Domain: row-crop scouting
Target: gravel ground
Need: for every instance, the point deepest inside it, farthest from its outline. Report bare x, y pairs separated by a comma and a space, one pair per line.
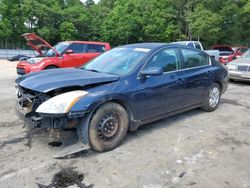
193, 149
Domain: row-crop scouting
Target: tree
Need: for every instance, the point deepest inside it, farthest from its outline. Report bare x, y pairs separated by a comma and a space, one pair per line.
204, 24
67, 31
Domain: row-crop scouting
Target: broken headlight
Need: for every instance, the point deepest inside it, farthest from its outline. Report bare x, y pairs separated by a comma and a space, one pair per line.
61, 104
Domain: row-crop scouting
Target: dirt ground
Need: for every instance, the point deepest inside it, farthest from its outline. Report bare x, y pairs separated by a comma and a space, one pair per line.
193, 149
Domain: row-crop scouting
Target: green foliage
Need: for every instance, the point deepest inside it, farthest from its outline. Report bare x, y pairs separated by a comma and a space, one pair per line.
128, 21
67, 30
204, 24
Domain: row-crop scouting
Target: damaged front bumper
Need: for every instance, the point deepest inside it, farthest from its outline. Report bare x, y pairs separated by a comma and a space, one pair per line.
51, 121
69, 130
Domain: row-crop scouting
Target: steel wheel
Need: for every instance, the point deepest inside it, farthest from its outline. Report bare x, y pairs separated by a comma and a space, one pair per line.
108, 127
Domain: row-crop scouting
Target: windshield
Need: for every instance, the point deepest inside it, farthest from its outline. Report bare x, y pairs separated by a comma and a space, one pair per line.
59, 47
119, 61
246, 54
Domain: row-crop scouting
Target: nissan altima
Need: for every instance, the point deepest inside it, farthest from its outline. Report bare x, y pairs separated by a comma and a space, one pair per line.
121, 90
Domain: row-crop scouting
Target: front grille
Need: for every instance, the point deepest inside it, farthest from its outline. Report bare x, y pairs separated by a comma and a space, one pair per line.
20, 71
244, 68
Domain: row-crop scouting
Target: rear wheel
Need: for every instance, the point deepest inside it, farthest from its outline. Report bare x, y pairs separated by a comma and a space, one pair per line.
212, 99
108, 127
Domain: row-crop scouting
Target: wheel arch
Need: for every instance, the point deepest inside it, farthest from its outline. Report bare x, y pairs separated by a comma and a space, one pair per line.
219, 83
121, 102
51, 65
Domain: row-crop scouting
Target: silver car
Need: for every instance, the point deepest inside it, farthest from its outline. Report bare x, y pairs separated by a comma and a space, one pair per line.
239, 69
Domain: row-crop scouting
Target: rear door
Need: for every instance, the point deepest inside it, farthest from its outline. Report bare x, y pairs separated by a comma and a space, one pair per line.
198, 75
92, 51
76, 58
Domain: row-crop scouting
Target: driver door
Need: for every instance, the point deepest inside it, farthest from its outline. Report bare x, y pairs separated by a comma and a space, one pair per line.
76, 58
164, 93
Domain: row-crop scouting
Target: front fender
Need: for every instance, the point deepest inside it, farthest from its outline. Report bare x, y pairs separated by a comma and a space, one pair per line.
83, 129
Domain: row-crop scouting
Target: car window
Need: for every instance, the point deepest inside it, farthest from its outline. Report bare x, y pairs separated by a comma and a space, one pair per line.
197, 45
119, 61
190, 44
194, 58
168, 59
243, 50
95, 48
77, 48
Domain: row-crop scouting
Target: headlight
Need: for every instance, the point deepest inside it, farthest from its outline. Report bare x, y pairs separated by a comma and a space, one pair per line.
34, 60
231, 67
61, 104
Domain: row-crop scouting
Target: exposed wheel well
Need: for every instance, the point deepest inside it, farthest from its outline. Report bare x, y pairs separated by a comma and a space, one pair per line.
124, 105
120, 102
51, 66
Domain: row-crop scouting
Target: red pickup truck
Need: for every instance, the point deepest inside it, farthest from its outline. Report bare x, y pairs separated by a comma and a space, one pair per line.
62, 55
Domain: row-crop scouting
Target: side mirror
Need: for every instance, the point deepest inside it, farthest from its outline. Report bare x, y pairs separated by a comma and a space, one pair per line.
152, 71
69, 52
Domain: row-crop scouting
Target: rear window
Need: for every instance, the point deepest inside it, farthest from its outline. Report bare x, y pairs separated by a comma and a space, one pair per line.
197, 45
194, 59
95, 48
190, 44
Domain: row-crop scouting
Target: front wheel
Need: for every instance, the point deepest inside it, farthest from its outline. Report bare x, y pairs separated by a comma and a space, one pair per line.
108, 127
212, 99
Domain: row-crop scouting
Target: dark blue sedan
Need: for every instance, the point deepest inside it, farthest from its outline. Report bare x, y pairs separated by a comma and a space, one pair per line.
120, 90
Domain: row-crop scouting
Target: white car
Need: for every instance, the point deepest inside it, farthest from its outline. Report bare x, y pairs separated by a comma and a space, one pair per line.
196, 44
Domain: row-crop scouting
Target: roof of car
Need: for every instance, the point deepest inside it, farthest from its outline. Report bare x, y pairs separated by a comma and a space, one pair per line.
87, 42
185, 41
146, 45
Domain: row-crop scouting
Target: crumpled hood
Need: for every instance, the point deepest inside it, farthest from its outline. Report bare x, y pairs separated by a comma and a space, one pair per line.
49, 80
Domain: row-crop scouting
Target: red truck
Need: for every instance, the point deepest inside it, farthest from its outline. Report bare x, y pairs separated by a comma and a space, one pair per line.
62, 55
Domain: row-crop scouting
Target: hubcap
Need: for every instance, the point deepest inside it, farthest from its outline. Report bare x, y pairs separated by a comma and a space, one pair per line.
108, 126
214, 97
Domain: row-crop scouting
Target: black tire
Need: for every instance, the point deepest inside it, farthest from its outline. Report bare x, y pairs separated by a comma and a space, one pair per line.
114, 118
207, 106
50, 67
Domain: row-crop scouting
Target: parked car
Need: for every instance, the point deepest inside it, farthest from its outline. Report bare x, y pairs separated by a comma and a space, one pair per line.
18, 58
122, 89
62, 55
226, 53
239, 69
196, 44
239, 51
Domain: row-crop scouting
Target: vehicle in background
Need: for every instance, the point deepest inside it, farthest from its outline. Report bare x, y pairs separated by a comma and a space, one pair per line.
62, 55
226, 53
239, 69
198, 45
214, 54
239, 51
194, 44
18, 58
120, 90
